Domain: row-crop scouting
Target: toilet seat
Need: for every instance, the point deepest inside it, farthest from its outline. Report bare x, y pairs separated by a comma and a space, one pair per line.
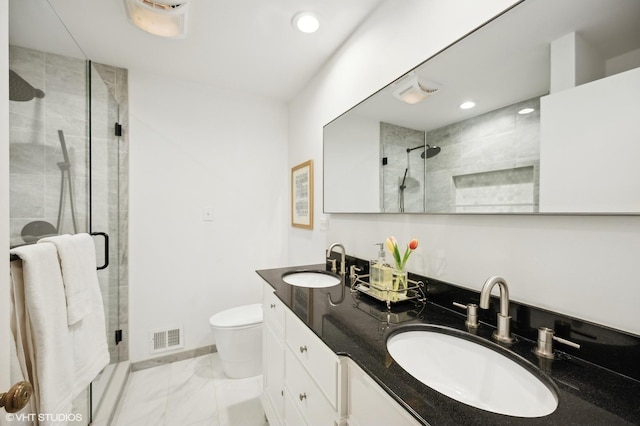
239, 317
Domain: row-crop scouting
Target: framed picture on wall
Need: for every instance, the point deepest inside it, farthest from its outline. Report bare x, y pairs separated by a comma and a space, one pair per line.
302, 195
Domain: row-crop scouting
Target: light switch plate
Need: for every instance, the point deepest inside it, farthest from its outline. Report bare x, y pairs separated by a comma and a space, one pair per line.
207, 214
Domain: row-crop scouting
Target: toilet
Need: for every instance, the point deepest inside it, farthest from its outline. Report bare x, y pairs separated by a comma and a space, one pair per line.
238, 337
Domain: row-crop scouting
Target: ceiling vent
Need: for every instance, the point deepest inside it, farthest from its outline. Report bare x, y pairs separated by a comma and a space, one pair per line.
159, 18
413, 89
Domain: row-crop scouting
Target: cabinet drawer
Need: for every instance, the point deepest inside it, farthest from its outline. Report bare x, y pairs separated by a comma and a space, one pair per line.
274, 312
306, 395
316, 357
292, 416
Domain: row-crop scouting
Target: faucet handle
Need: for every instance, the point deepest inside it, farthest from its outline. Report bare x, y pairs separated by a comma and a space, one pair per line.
353, 277
472, 314
333, 265
545, 343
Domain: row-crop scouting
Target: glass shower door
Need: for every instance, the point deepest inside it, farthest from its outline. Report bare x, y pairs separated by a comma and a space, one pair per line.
107, 178
104, 194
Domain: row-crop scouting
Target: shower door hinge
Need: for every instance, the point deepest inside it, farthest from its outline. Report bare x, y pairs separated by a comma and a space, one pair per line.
118, 336
118, 129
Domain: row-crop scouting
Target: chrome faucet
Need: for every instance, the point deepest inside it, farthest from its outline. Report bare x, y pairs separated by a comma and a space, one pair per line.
502, 334
342, 258
342, 271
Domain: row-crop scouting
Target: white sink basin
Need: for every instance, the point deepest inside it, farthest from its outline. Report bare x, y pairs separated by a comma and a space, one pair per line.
311, 279
471, 373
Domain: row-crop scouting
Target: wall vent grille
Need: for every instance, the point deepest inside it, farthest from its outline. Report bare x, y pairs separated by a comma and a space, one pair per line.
166, 339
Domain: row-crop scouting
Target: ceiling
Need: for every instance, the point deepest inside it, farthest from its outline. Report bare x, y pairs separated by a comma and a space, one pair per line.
241, 45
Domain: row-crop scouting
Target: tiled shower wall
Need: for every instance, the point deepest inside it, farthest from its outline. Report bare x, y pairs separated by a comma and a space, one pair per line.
35, 152
34, 144
488, 163
499, 140
395, 140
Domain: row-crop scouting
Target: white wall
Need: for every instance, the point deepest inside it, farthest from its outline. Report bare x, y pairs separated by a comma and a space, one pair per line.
195, 147
4, 196
580, 138
585, 266
624, 62
353, 147
573, 62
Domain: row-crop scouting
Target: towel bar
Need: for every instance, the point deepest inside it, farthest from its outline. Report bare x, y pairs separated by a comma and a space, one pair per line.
104, 235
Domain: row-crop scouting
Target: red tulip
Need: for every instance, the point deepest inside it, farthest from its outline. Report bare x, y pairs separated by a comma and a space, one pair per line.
392, 246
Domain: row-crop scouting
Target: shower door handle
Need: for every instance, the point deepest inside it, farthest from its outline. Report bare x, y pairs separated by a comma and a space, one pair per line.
106, 248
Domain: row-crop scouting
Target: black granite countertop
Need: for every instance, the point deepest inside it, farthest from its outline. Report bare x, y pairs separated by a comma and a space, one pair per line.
358, 327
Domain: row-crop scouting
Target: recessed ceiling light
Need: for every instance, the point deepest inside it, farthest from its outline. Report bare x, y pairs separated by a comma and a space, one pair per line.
305, 22
467, 105
526, 111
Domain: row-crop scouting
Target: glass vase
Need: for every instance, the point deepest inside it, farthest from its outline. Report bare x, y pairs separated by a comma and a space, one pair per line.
399, 282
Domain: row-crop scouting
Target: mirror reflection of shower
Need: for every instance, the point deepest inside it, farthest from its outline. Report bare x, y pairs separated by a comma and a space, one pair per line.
429, 152
20, 90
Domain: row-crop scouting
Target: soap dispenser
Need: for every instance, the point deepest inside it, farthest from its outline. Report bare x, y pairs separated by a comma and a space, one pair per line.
380, 276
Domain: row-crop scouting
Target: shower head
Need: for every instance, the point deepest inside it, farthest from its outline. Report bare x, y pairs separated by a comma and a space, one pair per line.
431, 151
20, 90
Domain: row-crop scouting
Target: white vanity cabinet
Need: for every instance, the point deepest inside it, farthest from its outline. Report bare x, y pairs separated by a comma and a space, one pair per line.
306, 383
370, 405
273, 398
303, 378
313, 375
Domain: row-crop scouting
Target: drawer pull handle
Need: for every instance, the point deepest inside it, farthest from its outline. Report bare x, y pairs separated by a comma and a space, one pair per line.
273, 306
303, 396
303, 349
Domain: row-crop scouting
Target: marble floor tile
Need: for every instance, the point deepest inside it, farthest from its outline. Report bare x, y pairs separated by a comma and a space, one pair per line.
239, 401
192, 392
145, 397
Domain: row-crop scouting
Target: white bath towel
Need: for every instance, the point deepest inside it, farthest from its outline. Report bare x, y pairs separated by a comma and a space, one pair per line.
77, 255
42, 336
78, 272
20, 365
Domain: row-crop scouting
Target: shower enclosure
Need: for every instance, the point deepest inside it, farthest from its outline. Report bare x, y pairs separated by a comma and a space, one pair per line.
403, 170
69, 164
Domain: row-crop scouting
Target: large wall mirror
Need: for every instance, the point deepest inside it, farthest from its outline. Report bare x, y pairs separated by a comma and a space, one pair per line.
534, 112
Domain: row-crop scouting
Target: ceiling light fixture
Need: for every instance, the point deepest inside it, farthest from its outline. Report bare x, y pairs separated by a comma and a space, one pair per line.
305, 22
467, 105
159, 17
526, 111
411, 89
